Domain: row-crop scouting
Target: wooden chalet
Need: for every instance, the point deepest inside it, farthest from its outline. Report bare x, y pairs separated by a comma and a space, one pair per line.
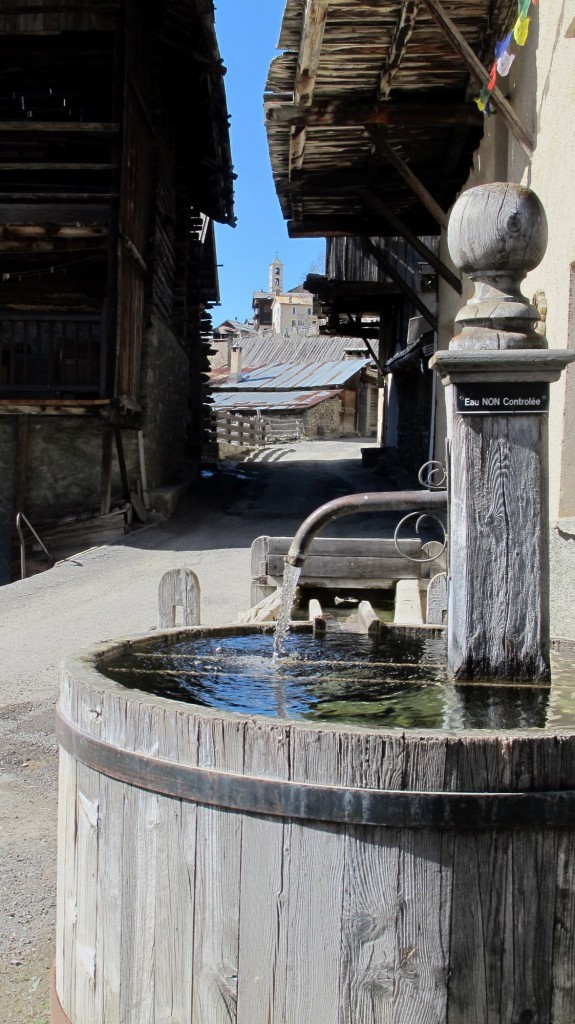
115, 164
372, 129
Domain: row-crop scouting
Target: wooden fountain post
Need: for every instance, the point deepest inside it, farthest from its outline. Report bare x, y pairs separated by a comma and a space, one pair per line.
496, 374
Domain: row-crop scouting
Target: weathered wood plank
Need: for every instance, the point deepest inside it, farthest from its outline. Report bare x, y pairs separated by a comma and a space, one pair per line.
363, 546
88, 783
179, 588
499, 538
58, 127
266, 854
218, 869
353, 567
350, 113
67, 898
403, 32
316, 866
436, 600
109, 898
175, 886
139, 851
503, 886
369, 620
315, 615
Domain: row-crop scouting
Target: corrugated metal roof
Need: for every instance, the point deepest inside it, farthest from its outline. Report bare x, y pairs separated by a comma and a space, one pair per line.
263, 348
269, 401
282, 376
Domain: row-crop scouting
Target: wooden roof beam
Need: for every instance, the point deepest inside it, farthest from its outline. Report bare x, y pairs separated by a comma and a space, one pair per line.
310, 51
58, 127
67, 7
311, 183
357, 114
399, 228
336, 225
387, 266
314, 19
31, 165
398, 46
475, 67
330, 289
415, 183
53, 213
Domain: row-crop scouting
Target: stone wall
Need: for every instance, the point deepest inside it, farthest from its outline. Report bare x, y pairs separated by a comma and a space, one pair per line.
64, 465
165, 390
324, 419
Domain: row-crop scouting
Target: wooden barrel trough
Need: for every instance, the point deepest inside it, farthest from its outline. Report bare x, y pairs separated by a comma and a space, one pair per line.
217, 868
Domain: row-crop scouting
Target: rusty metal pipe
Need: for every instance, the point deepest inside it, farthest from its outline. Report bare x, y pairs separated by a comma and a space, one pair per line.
372, 501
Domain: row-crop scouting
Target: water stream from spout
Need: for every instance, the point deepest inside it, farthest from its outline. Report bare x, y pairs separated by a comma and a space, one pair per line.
291, 577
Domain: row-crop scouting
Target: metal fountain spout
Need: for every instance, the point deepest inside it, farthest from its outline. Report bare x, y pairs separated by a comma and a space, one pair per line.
371, 501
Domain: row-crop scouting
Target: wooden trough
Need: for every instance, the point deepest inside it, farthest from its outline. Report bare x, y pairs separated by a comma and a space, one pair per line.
218, 867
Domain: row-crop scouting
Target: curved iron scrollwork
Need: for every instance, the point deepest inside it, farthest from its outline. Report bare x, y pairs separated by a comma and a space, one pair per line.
433, 475
420, 519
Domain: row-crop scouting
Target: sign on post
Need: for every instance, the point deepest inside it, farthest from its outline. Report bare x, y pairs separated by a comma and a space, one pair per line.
500, 398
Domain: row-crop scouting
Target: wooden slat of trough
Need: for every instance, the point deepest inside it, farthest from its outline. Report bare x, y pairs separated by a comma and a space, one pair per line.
263, 936
351, 568
336, 563
383, 548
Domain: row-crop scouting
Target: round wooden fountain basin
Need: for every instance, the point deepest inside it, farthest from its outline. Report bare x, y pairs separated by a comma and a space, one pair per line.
216, 867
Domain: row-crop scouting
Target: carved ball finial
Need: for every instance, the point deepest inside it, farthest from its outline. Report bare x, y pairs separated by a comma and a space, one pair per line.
497, 233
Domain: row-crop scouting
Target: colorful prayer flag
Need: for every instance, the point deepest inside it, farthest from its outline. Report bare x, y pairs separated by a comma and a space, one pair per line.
492, 77
521, 31
504, 64
502, 46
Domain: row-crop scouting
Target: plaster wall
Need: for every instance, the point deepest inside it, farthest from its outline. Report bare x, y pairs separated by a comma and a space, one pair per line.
284, 317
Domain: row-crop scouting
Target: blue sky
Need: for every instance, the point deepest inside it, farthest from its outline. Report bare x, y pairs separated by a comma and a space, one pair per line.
248, 31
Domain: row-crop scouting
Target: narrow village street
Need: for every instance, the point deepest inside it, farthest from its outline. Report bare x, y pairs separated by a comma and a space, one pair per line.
111, 591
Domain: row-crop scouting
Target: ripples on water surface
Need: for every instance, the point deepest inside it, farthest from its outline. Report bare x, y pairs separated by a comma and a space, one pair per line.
397, 682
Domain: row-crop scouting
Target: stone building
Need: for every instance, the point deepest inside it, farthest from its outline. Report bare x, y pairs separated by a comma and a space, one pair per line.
283, 311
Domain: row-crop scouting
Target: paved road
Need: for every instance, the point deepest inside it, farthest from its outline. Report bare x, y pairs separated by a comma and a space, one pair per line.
108, 592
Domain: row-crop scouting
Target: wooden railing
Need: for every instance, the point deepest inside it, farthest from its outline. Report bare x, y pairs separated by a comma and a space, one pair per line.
246, 432
251, 431
50, 353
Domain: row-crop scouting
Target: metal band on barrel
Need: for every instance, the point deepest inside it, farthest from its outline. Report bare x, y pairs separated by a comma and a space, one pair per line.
302, 800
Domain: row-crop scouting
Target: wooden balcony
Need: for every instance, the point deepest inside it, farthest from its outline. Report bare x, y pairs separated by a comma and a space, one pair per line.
51, 355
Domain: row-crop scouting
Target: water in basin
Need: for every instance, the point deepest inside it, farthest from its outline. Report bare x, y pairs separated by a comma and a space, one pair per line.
398, 681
